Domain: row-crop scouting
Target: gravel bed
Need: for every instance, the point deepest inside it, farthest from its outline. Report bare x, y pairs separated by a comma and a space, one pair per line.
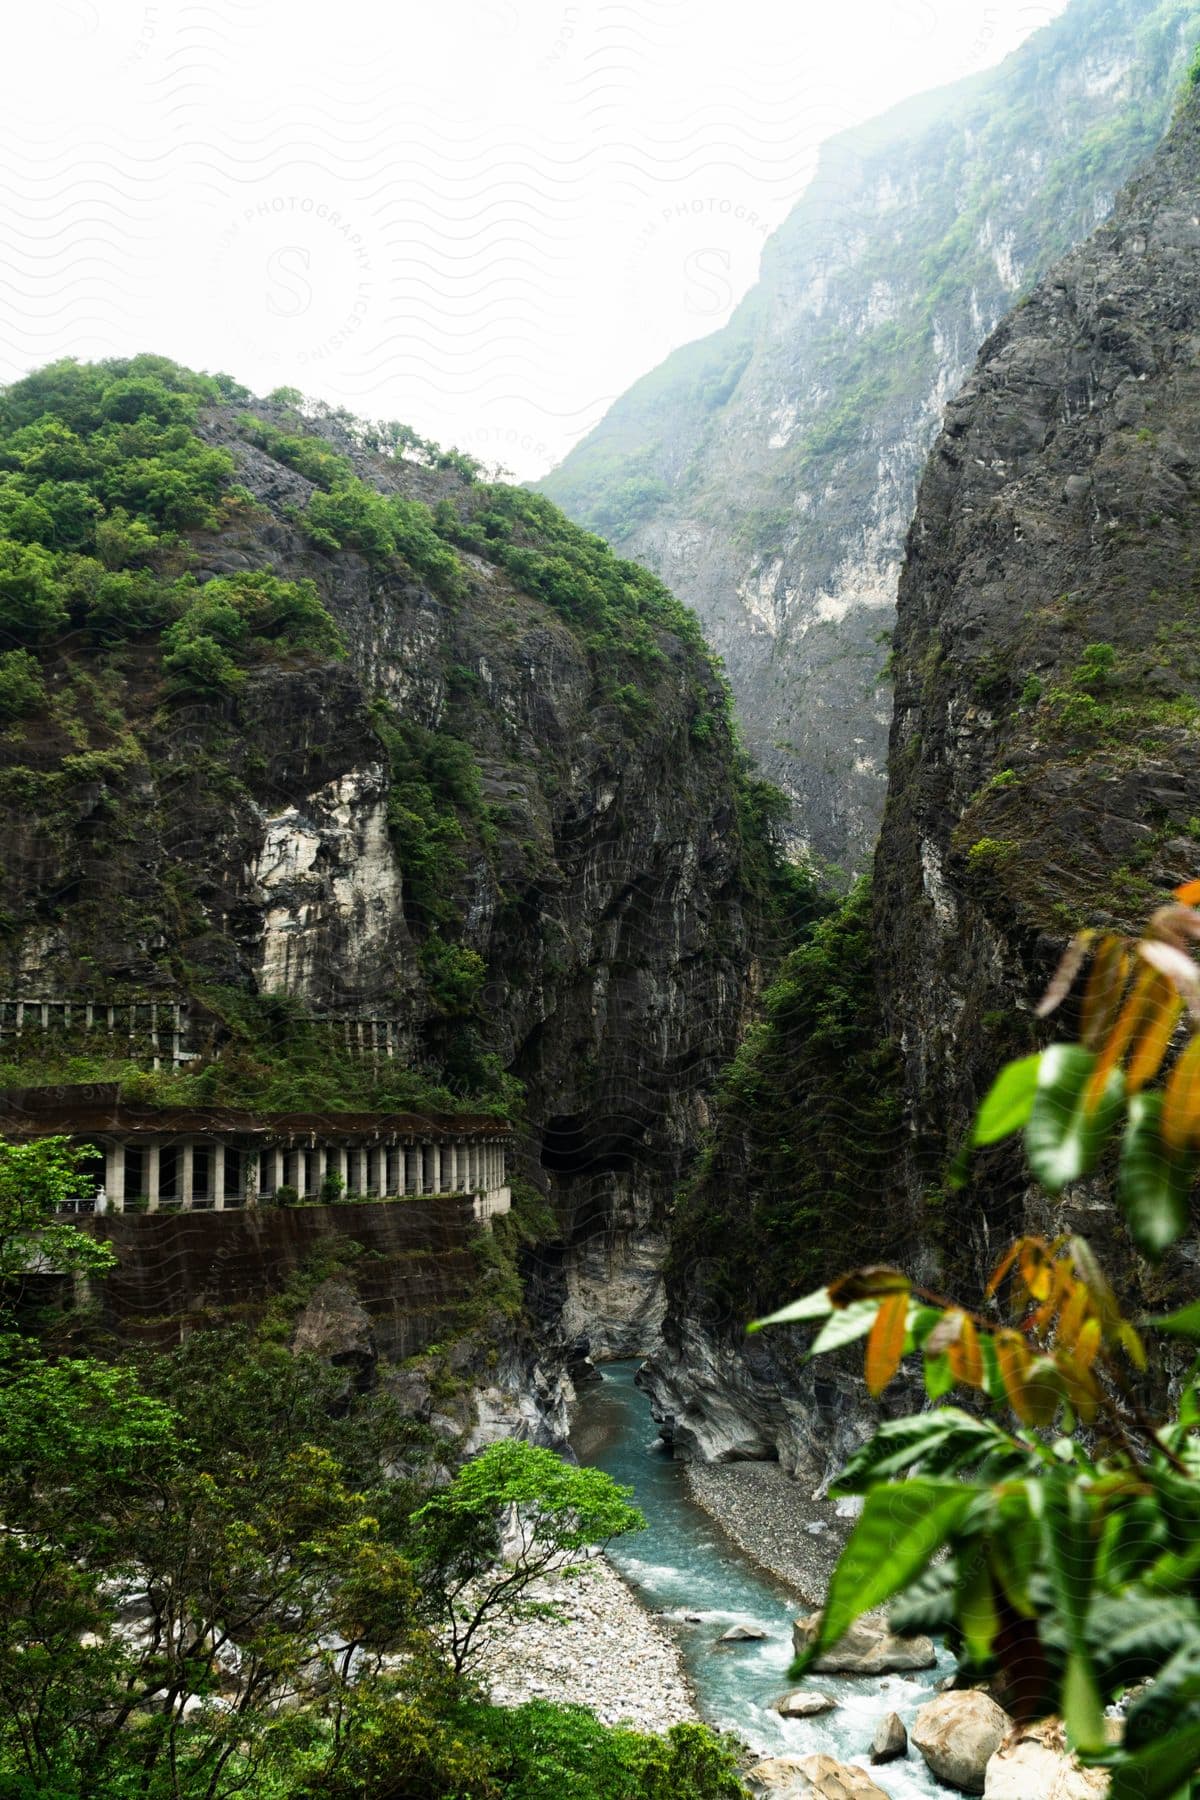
606, 1652
773, 1521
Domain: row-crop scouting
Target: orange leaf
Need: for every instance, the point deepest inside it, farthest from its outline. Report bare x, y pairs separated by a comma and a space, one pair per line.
1180, 1123
1087, 1344
1003, 1266
1073, 1314
1128, 1021
1013, 1359
1102, 995
1037, 1271
1151, 1047
1189, 893
885, 1346
965, 1357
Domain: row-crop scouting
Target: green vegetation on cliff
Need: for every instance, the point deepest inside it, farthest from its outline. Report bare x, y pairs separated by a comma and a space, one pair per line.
233, 628
802, 1157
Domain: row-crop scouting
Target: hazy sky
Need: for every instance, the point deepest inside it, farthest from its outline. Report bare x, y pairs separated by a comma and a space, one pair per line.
485, 217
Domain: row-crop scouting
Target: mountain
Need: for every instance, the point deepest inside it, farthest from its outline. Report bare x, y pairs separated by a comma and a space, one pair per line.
312, 732
768, 472
1044, 775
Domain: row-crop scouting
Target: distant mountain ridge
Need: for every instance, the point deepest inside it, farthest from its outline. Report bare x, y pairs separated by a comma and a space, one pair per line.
768, 472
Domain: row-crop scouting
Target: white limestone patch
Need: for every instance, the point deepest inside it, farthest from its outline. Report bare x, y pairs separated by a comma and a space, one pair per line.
326, 864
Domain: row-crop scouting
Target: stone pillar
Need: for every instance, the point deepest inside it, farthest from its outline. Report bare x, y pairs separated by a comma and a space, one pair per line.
153, 1162
343, 1167
216, 1174
436, 1159
302, 1173
278, 1169
183, 1181
395, 1170
114, 1176
322, 1166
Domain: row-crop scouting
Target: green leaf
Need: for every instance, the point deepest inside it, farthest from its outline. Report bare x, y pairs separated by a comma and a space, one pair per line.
1063, 1140
939, 1376
1071, 1560
1082, 1712
901, 1527
1008, 1102
853, 1321
977, 1605
1175, 1689
816, 1305
1184, 1323
1154, 1181
1160, 1771
940, 1442
927, 1604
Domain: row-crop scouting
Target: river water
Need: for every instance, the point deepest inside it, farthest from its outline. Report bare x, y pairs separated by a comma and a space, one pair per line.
683, 1567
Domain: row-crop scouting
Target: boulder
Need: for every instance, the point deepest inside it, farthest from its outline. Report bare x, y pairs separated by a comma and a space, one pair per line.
804, 1705
742, 1634
957, 1733
813, 1778
890, 1740
868, 1648
335, 1326
1035, 1759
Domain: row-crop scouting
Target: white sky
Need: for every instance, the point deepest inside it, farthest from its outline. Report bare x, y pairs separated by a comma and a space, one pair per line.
485, 218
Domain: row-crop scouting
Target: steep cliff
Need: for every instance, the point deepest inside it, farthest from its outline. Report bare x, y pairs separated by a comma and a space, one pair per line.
302, 733
1044, 767
768, 472
1044, 774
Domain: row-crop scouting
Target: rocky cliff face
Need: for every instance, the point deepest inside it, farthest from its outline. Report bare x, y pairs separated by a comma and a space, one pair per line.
516, 838
1044, 768
1044, 775
768, 472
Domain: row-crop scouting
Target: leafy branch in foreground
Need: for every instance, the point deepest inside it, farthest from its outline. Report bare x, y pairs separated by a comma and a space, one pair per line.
1063, 1563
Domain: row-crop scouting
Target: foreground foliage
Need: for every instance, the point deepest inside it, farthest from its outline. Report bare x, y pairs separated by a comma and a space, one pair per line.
224, 1571
1069, 1523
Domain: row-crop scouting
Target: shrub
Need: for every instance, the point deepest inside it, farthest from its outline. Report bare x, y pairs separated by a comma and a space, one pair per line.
22, 689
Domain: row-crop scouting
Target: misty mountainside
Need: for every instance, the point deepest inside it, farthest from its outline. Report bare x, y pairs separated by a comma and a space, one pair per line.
768, 472
1044, 777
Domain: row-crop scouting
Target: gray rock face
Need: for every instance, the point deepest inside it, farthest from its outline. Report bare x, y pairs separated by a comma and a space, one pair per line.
891, 1739
868, 1648
1045, 770
768, 472
957, 1734
335, 1325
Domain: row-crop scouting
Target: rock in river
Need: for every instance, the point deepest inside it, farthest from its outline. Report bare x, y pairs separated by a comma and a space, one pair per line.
890, 1740
742, 1634
867, 1649
812, 1778
957, 1733
1035, 1759
804, 1705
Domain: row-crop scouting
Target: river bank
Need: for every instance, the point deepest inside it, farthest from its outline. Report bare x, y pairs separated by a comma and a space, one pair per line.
606, 1650
773, 1521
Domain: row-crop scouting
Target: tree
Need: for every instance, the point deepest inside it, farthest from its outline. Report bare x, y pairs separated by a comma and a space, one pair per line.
195, 1598
510, 1517
36, 1180
1071, 1531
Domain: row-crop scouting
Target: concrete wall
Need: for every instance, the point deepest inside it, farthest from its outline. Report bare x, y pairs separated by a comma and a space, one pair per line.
181, 1270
